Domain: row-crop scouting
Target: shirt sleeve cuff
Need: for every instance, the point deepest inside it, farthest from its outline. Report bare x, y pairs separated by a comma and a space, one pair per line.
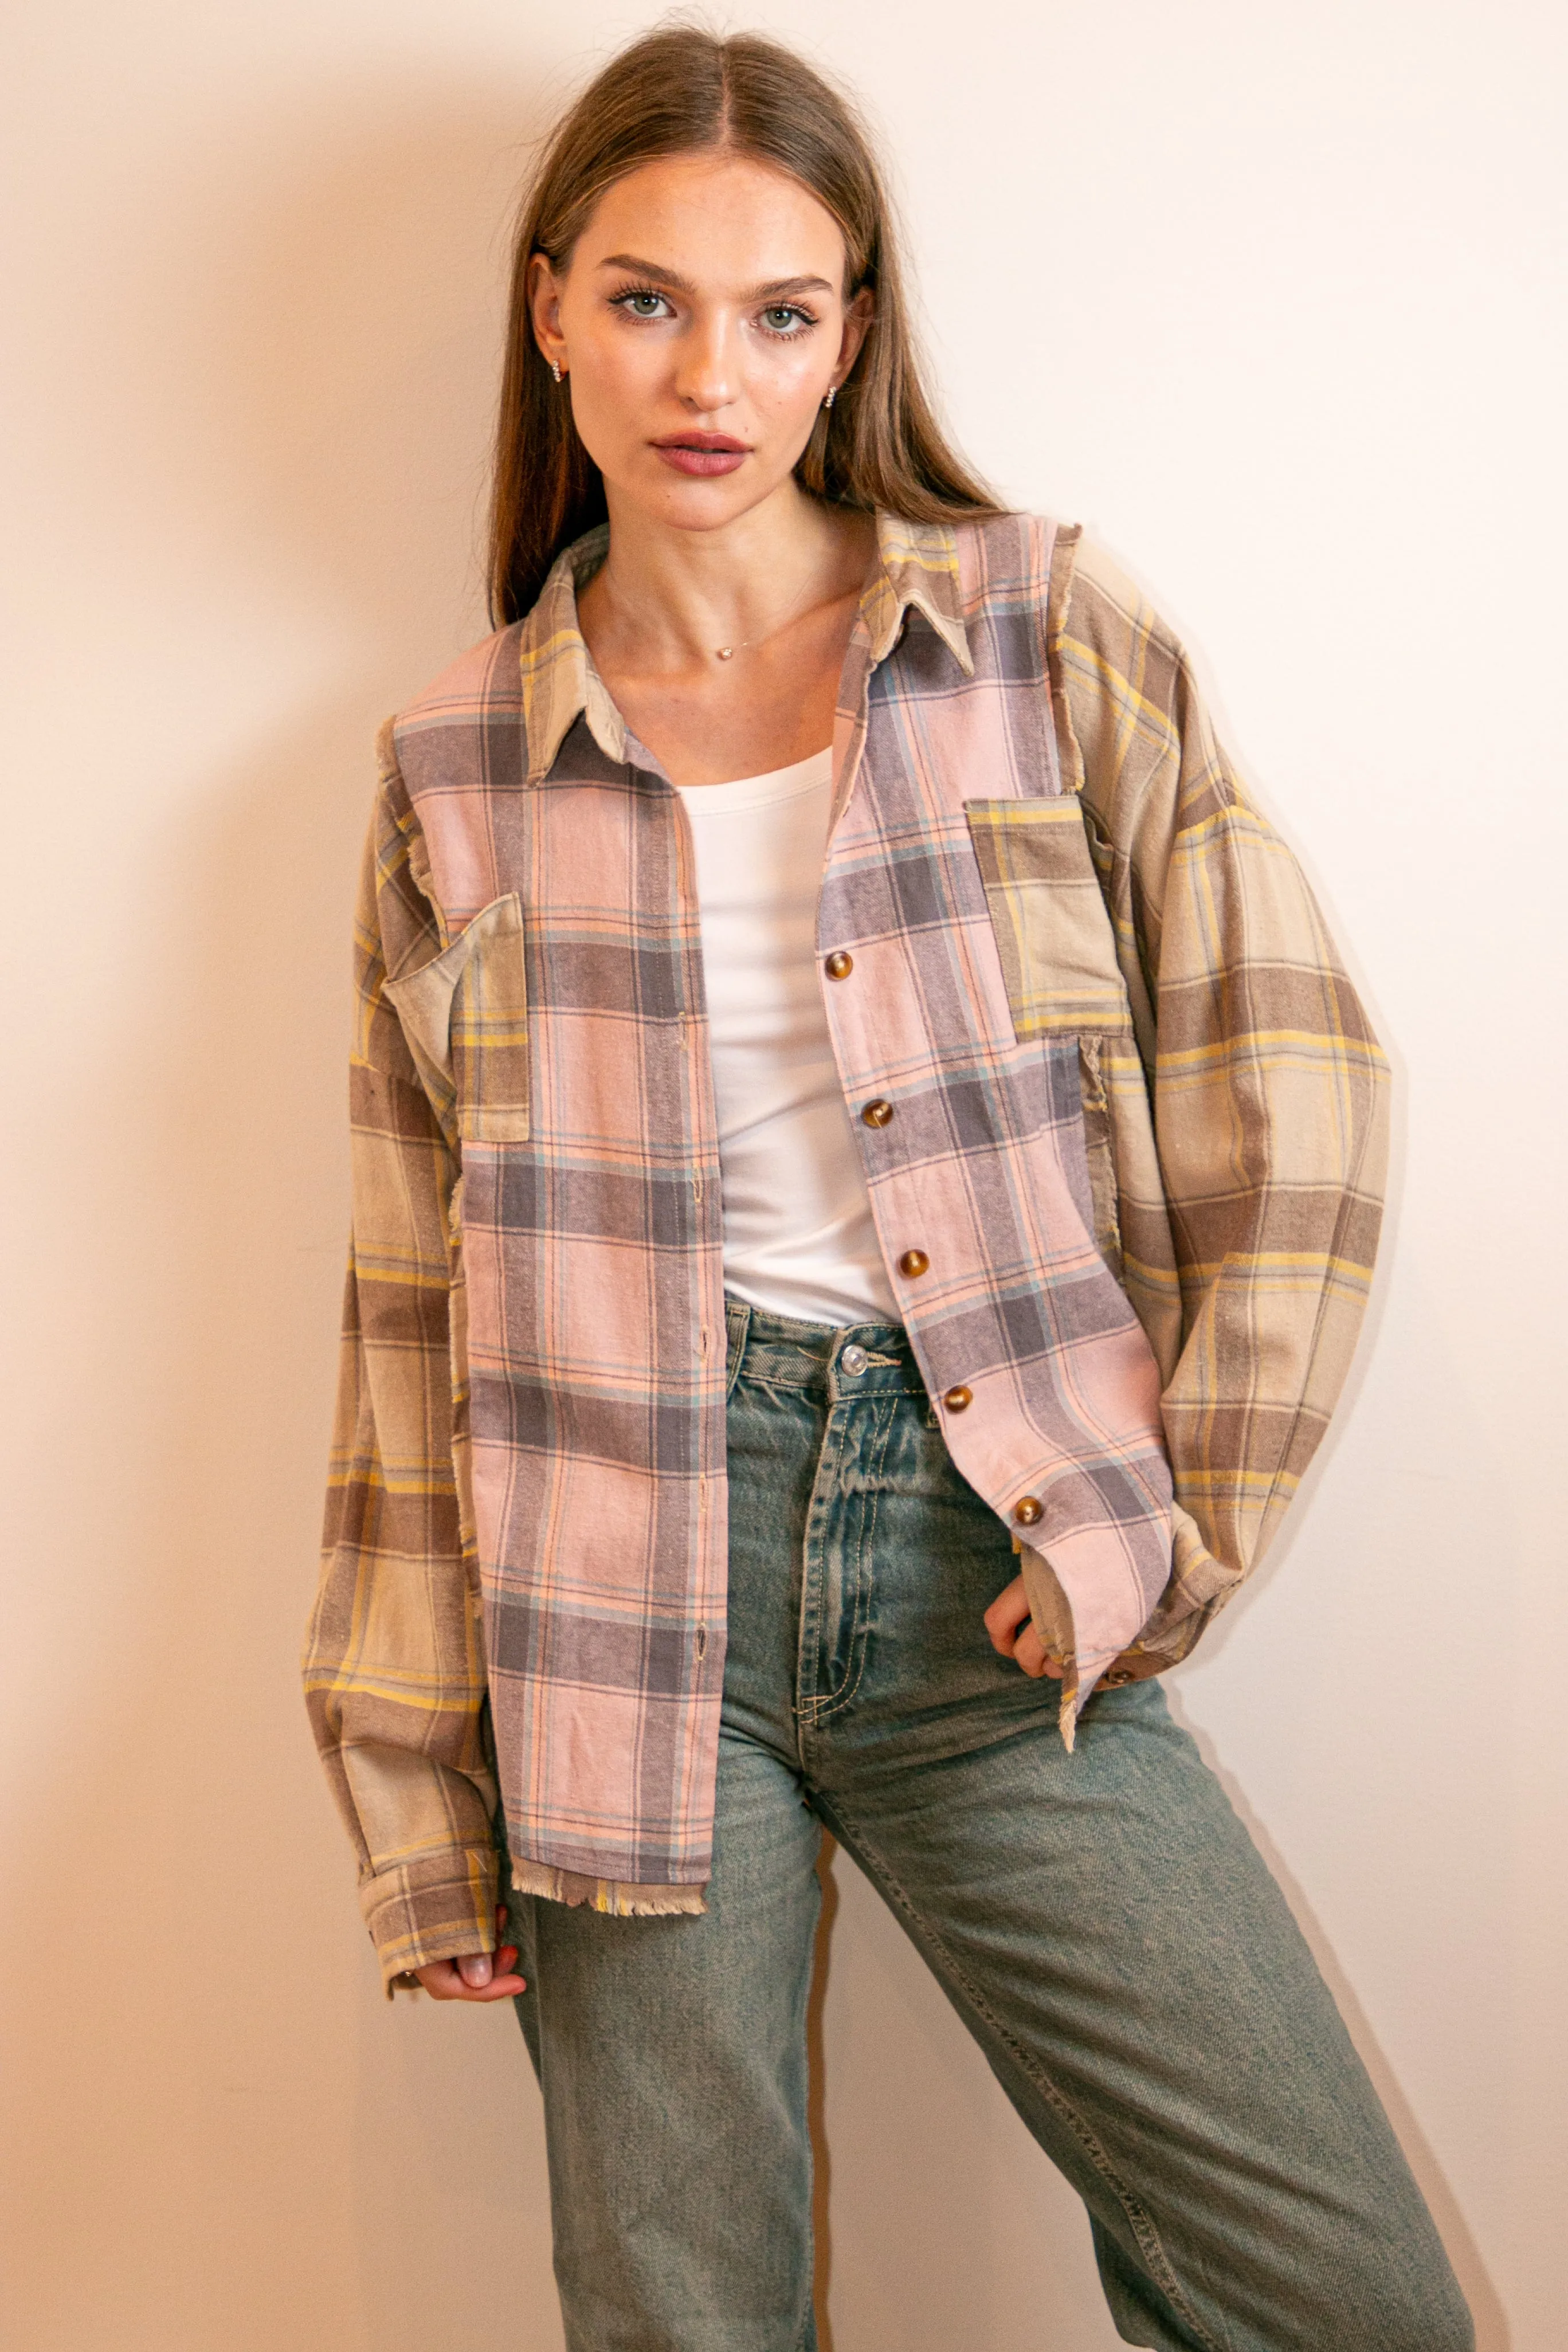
433, 1908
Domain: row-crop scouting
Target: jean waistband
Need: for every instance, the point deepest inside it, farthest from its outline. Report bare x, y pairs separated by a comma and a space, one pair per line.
846, 1359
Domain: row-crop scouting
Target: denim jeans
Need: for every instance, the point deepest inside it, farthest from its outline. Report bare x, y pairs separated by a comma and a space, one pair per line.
1102, 1922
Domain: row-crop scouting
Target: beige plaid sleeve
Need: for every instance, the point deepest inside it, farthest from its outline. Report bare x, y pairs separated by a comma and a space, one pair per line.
394, 1664
1250, 1203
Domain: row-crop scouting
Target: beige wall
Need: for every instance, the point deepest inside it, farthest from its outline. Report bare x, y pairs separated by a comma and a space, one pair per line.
1270, 297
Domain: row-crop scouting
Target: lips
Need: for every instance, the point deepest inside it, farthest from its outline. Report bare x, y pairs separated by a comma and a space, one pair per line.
701, 453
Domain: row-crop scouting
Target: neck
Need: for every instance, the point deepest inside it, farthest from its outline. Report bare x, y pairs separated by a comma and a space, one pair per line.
666, 600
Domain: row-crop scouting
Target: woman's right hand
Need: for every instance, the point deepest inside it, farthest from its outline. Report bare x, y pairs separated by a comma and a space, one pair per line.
475, 1976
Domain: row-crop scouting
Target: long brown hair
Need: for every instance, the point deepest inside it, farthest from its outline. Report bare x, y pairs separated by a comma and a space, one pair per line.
680, 90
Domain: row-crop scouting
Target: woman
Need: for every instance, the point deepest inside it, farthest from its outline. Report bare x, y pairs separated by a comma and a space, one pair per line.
786, 1383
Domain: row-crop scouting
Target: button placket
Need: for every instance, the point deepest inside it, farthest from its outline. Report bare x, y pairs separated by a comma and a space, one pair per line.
876, 1113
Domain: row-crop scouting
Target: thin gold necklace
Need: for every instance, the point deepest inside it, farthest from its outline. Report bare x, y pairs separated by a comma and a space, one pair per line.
728, 653
742, 645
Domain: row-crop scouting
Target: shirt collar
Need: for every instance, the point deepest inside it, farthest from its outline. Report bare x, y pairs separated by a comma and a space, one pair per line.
917, 564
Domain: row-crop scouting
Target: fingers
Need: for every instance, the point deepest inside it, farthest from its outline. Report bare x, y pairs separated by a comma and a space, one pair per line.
1030, 1653
1007, 1614
1013, 1635
474, 1975
505, 1984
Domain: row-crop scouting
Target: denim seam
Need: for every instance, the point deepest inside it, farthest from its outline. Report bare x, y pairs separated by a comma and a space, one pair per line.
737, 1354
824, 1702
780, 1387
1142, 2225
835, 1701
811, 1609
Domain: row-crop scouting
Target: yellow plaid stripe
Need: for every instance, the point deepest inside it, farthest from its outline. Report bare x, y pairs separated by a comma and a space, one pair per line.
1235, 1117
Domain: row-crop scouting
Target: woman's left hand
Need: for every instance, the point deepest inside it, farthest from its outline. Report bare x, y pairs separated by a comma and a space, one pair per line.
1013, 1635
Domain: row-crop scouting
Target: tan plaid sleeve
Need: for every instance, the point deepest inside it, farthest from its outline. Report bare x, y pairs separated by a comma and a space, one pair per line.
393, 1667
1250, 1218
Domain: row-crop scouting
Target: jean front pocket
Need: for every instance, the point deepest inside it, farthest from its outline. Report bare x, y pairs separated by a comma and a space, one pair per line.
465, 1015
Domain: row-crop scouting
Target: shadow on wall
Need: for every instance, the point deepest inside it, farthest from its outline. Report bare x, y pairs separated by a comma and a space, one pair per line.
354, 362
296, 424
309, 419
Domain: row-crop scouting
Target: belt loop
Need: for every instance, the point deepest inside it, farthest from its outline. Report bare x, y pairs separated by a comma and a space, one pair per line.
737, 1325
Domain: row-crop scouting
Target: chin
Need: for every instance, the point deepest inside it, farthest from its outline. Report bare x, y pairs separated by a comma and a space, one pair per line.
693, 505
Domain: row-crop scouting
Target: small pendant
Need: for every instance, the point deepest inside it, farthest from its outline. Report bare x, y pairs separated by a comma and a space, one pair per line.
724, 652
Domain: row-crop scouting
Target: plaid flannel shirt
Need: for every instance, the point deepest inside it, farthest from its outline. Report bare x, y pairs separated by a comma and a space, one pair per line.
1123, 1122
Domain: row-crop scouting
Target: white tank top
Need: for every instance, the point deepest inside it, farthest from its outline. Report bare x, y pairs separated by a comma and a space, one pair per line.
799, 1235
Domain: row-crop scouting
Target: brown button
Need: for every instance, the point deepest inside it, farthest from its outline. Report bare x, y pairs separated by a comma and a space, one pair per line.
913, 1262
878, 1113
1030, 1510
959, 1400
839, 965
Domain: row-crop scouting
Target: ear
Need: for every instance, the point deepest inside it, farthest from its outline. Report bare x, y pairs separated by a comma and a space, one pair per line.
544, 309
857, 317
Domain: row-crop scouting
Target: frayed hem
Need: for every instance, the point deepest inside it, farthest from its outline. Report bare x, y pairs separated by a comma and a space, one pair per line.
623, 1898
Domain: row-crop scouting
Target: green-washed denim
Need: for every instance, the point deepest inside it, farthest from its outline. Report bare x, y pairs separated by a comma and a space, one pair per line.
1102, 1922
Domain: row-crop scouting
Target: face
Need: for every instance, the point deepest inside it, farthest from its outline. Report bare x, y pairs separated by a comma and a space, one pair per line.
698, 325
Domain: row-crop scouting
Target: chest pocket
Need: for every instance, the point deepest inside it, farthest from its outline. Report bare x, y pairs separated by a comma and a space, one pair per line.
465, 1015
1053, 932
1059, 961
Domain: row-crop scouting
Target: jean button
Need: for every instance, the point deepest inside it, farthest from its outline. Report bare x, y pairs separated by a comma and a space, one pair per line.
852, 1360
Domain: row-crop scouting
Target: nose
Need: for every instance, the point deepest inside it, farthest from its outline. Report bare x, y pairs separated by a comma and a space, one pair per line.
705, 377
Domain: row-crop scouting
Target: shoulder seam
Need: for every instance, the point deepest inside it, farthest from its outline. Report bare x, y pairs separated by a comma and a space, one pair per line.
1058, 600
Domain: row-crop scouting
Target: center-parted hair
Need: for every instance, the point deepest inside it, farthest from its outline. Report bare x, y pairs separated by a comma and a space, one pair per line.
680, 90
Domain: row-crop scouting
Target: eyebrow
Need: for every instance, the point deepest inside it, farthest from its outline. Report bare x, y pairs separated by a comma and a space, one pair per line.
773, 287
